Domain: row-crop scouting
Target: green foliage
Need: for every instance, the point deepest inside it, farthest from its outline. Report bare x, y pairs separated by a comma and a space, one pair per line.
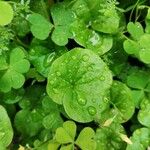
6, 131
74, 74
77, 80
6, 13
65, 136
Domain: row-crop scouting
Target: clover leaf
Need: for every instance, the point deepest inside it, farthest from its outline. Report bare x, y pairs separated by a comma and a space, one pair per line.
144, 114
12, 76
109, 137
135, 29
90, 39
105, 19
61, 31
40, 27
6, 13
6, 131
121, 103
78, 80
140, 139
139, 46
65, 137
138, 81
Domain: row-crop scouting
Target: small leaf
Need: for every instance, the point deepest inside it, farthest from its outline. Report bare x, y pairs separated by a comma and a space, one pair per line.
86, 140
66, 134
6, 13
135, 29
40, 27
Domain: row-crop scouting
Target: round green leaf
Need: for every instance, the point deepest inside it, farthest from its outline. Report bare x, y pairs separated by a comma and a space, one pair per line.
121, 101
144, 113
6, 132
78, 80
140, 139
6, 13
108, 137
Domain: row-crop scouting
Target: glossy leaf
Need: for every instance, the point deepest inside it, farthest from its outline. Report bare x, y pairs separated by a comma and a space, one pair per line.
72, 77
6, 131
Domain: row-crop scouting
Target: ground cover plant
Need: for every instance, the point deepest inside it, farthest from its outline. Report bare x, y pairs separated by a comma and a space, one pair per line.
74, 75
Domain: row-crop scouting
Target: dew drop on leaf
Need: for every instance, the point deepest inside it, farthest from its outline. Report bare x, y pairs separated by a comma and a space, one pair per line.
58, 74
74, 57
102, 78
82, 101
55, 90
92, 110
85, 58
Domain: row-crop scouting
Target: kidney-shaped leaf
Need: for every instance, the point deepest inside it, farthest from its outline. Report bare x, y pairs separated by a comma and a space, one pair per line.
79, 80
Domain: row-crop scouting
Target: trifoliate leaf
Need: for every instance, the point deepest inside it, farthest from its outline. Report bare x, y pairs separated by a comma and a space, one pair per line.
40, 27
6, 131
78, 80
12, 77
86, 140
6, 13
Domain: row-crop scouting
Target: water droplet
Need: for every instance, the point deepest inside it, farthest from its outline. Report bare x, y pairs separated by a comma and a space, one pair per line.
90, 68
58, 73
48, 60
93, 100
106, 100
74, 57
92, 110
102, 78
52, 82
82, 101
85, 58
69, 70
55, 91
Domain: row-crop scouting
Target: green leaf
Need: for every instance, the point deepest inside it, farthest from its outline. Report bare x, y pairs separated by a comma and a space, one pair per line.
144, 113
40, 27
106, 18
90, 39
61, 31
135, 29
138, 80
109, 137
12, 77
6, 131
140, 139
131, 47
66, 134
86, 140
121, 101
78, 80
6, 13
